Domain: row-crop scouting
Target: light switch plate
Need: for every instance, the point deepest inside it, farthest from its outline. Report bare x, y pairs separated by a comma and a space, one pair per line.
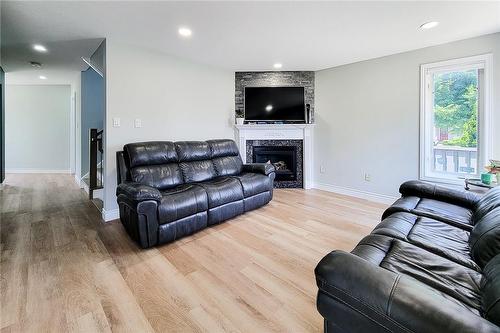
116, 122
138, 123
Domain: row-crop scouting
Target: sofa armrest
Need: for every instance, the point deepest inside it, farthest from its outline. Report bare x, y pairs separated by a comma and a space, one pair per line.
431, 191
263, 168
376, 299
138, 192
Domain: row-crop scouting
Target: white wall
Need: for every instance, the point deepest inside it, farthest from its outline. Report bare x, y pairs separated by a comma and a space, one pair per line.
37, 133
75, 126
175, 99
367, 117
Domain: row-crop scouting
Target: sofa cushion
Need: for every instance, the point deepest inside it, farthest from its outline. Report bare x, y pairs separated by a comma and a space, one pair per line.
490, 286
441, 209
225, 157
154, 164
182, 201
488, 202
188, 151
162, 177
222, 148
150, 153
222, 190
457, 281
432, 235
485, 237
438, 210
254, 183
228, 165
195, 161
197, 171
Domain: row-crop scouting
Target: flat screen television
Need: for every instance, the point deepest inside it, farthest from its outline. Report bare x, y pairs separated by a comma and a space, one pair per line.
270, 104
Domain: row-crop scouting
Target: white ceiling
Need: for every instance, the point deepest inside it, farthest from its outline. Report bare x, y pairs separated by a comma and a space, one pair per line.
239, 35
31, 77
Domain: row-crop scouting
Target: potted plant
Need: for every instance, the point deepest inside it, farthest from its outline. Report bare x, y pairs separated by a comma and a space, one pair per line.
494, 168
240, 120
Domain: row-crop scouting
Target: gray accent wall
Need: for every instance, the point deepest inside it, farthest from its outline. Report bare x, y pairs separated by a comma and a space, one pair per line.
272, 79
92, 111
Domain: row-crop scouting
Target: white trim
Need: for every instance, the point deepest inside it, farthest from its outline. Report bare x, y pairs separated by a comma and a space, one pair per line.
98, 194
371, 196
304, 132
36, 171
84, 186
110, 215
78, 181
72, 129
484, 61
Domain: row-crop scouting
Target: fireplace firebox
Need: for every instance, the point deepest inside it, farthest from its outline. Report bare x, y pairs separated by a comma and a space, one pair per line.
284, 159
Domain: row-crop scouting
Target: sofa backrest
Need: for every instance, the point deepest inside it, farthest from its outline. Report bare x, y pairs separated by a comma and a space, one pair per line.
195, 161
484, 239
154, 163
488, 202
225, 157
490, 288
165, 164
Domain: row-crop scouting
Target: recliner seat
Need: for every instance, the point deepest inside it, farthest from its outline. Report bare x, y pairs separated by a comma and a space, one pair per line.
167, 190
419, 270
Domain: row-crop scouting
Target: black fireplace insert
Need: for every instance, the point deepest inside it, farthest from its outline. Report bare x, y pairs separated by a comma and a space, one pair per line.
284, 159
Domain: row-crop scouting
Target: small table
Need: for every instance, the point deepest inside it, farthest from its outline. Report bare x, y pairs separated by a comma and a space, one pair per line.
477, 182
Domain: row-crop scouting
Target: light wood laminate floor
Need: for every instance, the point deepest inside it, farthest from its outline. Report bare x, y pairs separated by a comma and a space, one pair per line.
63, 270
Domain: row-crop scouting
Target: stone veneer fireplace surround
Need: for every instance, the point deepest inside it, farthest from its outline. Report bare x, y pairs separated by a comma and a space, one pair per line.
273, 79
280, 135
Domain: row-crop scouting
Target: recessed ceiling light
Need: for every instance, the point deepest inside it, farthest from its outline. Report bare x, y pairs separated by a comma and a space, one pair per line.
42, 77
429, 25
185, 32
277, 65
39, 48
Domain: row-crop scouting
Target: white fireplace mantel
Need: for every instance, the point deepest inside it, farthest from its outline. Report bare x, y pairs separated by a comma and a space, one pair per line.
302, 132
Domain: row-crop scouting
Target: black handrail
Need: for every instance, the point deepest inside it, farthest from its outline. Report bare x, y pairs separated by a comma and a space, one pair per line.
96, 154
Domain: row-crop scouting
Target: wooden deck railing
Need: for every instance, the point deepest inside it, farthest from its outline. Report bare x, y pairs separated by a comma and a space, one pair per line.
454, 159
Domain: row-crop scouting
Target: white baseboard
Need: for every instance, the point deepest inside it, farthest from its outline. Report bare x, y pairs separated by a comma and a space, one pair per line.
84, 186
78, 181
110, 215
377, 197
36, 171
98, 194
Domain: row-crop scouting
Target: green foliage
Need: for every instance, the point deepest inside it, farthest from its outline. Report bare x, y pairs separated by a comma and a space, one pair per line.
455, 106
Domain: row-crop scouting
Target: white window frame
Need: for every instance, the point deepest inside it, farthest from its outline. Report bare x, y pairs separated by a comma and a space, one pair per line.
426, 113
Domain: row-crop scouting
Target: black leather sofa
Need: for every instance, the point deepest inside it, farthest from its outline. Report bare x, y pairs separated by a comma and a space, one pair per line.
167, 190
431, 265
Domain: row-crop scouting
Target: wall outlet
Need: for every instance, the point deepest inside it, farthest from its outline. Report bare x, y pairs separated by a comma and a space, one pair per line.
368, 177
116, 122
138, 123
322, 169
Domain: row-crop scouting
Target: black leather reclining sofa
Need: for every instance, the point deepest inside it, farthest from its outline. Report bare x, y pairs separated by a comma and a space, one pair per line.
431, 265
167, 190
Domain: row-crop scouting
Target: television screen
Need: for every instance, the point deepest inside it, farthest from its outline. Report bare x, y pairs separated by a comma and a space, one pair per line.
274, 104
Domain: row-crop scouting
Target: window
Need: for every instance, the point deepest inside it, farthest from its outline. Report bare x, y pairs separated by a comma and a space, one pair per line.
454, 110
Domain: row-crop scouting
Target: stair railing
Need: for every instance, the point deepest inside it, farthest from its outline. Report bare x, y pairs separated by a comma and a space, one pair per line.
96, 155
